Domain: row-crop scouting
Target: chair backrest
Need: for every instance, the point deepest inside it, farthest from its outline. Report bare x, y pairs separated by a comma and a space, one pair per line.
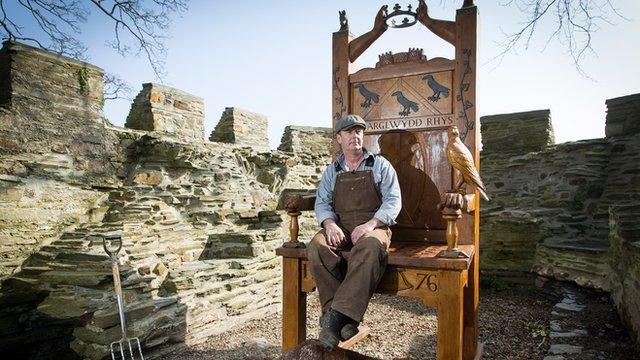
408, 102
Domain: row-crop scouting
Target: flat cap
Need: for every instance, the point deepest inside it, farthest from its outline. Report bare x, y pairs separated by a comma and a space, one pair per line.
349, 121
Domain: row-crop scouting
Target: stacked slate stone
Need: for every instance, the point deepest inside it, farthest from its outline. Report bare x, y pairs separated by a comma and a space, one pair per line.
621, 200
543, 198
622, 116
624, 260
517, 133
198, 253
197, 221
509, 233
50, 123
40, 209
306, 139
295, 168
243, 128
166, 109
312, 145
56, 154
550, 204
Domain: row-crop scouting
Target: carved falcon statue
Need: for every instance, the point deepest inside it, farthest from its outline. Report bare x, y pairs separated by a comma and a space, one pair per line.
461, 160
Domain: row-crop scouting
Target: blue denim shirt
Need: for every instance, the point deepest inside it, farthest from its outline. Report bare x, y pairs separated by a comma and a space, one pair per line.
384, 177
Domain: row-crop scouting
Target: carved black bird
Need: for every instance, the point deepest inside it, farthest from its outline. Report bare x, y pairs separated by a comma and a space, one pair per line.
368, 96
406, 103
437, 88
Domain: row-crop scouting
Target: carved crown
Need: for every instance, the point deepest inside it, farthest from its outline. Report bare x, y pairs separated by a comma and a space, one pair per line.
388, 58
410, 17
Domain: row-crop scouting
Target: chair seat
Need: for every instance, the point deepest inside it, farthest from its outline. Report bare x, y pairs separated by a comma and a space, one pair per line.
410, 254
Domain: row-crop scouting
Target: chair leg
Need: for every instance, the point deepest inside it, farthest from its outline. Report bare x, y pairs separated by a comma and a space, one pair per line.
450, 310
471, 298
294, 305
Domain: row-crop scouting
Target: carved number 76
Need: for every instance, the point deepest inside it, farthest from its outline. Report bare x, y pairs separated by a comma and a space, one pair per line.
430, 282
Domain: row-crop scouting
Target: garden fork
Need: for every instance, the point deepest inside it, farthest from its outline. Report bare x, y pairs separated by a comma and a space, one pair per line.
125, 346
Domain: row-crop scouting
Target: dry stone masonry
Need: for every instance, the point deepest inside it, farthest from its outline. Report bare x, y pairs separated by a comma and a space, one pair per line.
165, 109
197, 218
306, 139
517, 132
624, 260
243, 128
622, 115
199, 221
568, 211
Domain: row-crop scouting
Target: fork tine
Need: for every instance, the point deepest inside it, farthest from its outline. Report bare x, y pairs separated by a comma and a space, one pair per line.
130, 350
139, 348
113, 355
122, 349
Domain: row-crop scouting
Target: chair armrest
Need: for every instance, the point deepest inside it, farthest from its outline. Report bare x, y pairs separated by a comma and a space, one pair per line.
296, 202
293, 201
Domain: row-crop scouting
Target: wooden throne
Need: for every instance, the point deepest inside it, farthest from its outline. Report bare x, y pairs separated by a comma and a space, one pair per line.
408, 102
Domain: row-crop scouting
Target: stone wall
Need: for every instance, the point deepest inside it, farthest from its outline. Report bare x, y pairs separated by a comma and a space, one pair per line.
41, 209
243, 128
550, 207
53, 127
622, 115
168, 110
56, 154
517, 132
624, 260
303, 139
67, 95
197, 221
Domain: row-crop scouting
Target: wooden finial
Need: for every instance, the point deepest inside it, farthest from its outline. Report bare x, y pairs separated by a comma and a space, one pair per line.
344, 22
468, 3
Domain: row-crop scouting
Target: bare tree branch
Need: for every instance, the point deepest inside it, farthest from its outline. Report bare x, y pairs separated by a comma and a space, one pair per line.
116, 88
139, 25
575, 23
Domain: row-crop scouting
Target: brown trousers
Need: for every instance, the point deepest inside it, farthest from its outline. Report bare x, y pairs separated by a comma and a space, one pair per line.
347, 286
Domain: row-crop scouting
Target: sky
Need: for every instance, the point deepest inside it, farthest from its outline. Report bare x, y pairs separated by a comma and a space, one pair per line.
274, 58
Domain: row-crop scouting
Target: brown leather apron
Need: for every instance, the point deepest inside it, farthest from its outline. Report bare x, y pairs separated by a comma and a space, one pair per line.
355, 199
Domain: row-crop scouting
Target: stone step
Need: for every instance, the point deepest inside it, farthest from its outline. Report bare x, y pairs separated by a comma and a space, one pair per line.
73, 235
568, 334
593, 246
558, 349
105, 318
83, 257
71, 244
82, 278
33, 270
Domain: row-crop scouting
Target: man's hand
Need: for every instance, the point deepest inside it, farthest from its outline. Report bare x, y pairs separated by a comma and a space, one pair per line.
360, 230
335, 236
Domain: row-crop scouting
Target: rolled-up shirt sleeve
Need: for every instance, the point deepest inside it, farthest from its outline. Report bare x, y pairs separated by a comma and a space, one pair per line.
324, 196
390, 191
